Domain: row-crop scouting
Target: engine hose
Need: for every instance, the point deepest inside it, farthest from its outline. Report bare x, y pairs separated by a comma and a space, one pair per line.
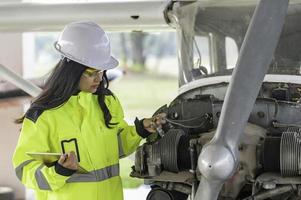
271, 193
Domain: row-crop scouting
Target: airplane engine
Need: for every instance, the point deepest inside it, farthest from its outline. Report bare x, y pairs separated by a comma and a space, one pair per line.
269, 152
170, 153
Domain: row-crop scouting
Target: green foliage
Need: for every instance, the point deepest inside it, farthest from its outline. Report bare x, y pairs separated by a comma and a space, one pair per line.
136, 67
141, 94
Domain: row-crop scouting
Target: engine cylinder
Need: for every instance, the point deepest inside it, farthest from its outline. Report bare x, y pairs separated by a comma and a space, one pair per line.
270, 157
283, 154
290, 152
174, 151
169, 150
170, 153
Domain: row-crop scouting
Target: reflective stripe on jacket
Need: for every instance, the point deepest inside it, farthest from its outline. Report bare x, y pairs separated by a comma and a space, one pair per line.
99, 149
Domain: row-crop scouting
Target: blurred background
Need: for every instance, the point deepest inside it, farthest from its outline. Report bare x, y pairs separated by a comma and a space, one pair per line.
145, 80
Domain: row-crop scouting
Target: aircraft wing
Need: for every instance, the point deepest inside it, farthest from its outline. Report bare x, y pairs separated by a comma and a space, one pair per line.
22, 17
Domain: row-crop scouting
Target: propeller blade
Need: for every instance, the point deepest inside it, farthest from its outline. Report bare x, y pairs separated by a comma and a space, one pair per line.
210, 187
219, 158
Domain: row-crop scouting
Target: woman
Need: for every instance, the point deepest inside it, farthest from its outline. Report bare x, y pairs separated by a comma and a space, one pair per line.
78, 116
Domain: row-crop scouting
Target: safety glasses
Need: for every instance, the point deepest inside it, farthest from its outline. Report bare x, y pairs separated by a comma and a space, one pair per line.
93, 73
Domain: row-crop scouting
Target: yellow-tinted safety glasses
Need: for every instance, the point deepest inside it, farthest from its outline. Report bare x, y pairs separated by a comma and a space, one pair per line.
93, 73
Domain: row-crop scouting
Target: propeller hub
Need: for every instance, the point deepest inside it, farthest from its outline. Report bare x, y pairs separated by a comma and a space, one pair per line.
216, 162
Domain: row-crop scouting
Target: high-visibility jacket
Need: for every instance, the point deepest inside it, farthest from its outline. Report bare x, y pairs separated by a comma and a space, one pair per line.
99, 149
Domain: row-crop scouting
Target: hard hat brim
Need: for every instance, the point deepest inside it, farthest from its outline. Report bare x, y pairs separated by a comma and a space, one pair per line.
109, 65
113, 62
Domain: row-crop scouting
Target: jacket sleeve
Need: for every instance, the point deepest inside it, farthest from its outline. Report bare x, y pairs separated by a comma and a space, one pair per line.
128, 138
34, 137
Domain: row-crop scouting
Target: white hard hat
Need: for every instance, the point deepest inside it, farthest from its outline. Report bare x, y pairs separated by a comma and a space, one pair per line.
86, 43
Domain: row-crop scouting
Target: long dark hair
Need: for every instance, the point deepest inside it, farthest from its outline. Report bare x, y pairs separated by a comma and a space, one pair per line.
62, 84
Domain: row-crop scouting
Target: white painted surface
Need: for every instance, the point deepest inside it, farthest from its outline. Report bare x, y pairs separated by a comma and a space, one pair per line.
270, 78
111, 15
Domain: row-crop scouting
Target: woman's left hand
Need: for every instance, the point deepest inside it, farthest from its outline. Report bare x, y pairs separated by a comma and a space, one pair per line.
152, 124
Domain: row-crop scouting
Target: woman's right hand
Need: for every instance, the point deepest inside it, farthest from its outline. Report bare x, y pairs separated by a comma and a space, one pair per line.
69, 160
152, 124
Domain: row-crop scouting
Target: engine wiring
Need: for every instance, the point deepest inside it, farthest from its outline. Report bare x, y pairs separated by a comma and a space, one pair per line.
178, 122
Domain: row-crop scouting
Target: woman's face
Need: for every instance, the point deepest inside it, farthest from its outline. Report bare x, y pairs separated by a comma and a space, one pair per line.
90, 80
